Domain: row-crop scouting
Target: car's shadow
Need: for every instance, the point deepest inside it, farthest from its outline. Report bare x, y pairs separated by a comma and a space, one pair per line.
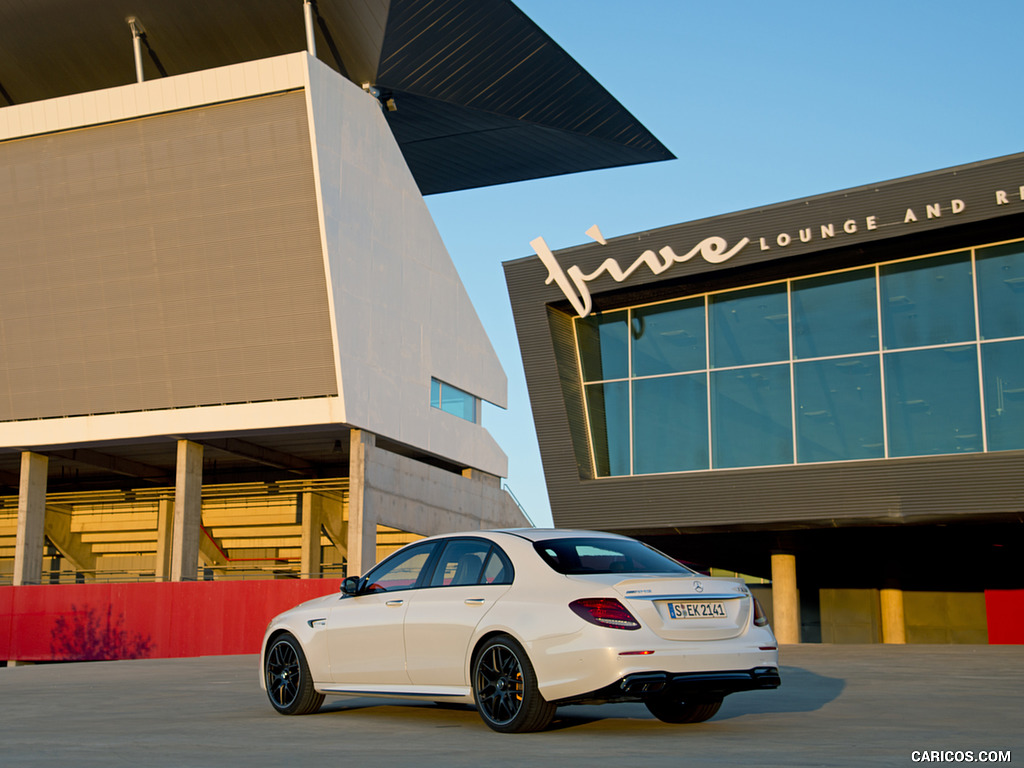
801, 691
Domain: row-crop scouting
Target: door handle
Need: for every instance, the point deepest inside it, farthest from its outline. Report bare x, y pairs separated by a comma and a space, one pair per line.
394, 602
475, 601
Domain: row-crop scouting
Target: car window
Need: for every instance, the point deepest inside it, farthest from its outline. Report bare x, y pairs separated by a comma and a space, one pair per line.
498, 569
471, 561
590, 555
400, 571
461, 563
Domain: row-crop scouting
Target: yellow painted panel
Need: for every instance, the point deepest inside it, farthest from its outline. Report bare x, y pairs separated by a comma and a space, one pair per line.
253, 530
129, 546
249, 517
249, 543
105, 536
147, 507
111, 522
126, 562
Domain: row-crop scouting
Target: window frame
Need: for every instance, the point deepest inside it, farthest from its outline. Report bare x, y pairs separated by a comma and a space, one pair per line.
959, 264
438, 388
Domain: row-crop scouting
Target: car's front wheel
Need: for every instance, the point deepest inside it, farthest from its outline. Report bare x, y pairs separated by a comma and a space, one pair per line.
289, 683
674, 711
505, 688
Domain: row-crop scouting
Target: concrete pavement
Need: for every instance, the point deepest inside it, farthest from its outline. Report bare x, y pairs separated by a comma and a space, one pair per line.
838, 706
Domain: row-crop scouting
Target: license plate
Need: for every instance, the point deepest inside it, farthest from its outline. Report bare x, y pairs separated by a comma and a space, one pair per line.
697, 610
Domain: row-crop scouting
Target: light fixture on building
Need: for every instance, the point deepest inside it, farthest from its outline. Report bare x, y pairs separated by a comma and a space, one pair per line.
386, 100
138, 32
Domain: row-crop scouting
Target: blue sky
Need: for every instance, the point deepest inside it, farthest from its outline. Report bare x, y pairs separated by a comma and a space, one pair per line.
761, 102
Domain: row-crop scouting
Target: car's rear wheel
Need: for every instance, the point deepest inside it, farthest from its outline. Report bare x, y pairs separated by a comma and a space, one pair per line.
289, 683
674, 711
505, 688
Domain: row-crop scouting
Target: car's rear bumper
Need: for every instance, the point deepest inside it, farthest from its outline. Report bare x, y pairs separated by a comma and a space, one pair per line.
683, 685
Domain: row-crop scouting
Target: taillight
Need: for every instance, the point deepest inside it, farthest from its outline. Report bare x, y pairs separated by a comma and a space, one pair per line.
604, 612
760, 617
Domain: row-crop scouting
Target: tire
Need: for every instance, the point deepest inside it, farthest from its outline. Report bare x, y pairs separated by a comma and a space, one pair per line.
505, 688
674, 711
289, 682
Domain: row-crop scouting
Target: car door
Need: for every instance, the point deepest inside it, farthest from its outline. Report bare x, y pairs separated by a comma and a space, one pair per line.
365, 635
470, 576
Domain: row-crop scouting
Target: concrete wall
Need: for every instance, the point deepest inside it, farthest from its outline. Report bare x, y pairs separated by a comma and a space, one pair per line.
388, 489
854, 616
850, 616
945, 617
422, 499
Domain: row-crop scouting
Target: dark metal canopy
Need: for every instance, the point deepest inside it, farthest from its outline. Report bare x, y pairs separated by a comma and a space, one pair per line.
481, 95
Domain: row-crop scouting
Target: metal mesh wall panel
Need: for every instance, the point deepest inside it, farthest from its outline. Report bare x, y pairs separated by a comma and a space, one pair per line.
163, 262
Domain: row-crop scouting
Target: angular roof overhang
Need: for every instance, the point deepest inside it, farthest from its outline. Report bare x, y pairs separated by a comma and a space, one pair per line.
482, 95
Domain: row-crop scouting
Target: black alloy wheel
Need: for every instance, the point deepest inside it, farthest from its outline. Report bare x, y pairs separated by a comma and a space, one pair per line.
289, 683
505, 688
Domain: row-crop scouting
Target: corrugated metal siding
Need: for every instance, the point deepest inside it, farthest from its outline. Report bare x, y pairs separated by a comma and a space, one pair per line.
564, 340
165, 262
886, 492
892, 492
536, 342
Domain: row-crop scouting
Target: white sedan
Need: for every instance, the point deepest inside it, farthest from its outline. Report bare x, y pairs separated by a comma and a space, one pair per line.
519, 622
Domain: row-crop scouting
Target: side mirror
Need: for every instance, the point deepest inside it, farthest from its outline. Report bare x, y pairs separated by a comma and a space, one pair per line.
350, 586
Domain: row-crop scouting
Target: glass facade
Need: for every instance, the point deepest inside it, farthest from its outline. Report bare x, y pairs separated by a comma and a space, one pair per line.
916, 357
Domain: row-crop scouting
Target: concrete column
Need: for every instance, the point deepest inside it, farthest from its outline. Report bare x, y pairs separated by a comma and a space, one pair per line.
164, 528
28, 549
894, 628
785, 598
188, 511
362, 518
312, 520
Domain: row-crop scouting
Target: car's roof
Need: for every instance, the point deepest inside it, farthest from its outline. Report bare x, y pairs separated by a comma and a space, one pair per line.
543, 534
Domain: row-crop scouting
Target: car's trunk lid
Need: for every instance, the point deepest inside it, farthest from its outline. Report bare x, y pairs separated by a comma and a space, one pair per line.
687, 608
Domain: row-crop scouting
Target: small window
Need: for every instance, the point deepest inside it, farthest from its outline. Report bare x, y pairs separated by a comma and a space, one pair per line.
454, 401
498, 568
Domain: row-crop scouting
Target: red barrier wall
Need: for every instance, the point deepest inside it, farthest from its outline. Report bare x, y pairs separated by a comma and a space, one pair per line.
1005, 612
210, 618
159, 620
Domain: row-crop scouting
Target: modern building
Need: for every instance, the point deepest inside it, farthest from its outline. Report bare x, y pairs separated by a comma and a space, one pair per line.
232, 343
826, 393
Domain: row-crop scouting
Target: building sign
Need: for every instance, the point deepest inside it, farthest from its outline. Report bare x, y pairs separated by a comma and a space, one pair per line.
575, 283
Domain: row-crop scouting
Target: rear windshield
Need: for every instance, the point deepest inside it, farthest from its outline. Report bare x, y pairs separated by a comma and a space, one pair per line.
590, 555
